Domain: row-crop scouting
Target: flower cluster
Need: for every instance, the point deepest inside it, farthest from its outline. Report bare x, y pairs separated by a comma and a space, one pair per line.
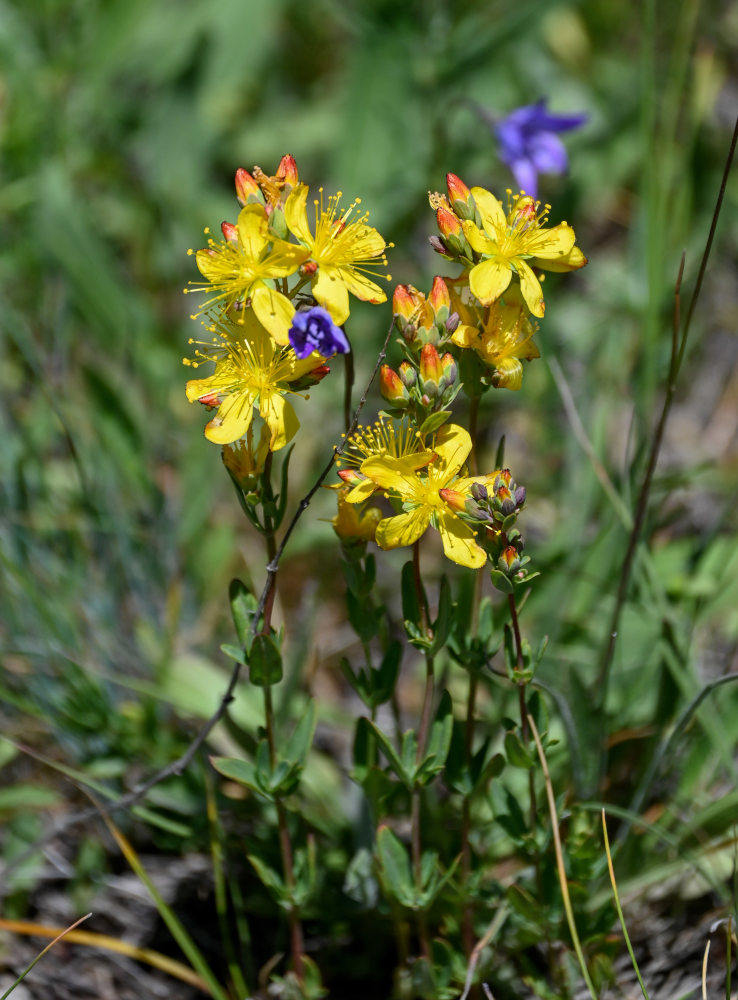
276, 290
472, 331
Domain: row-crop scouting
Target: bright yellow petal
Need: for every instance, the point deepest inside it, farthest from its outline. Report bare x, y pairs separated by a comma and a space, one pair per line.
489, 279
530, 286
253, 230
397, 475
465, 336
509, 373
490, 209
295, 213
452, 445
360, 286
458, 541
232, 419
280, 417
283, 260
331, 292
362, 491
402, 529
552, 243
571, 261
274, 311
478, 241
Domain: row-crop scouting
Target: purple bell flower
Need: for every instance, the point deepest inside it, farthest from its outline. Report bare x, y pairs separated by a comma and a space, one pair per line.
314, 330
529, 143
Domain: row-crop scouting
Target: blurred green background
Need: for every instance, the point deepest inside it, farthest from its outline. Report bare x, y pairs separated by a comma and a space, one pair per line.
122, 123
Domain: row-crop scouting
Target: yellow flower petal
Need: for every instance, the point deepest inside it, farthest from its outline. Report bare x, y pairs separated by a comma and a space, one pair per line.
489, 279
403, 529
331, 292
253, 230
397, 474
295, 214
274, 311
458, 541
452, 445
232, 419
479, 242
530, 286
280, 417
571, 261
509, 373
551, 243
491, 212
362, 491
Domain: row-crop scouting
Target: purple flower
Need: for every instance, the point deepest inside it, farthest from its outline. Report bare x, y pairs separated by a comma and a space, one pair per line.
529, 144
314, 330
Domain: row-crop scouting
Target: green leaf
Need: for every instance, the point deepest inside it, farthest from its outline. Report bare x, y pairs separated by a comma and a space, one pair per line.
439, 741
302, 738
359, 884
433, 421
394, 866
442, 624
234, 652
516, 753
363, 617
243, 609
386, 676
242, 771
271, 879
410, 606
393, 759
501, 581
265, 661
500, 456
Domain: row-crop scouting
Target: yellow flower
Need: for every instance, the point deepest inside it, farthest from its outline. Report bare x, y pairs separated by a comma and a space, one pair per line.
351, 523
239, 268
421, 499
514, 244
501, 337
251, 372
342, 253
244, 462
401, 442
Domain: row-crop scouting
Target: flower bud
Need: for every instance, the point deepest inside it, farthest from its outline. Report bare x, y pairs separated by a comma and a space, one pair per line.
229, 231
310, 378
448, 224
439, 246
479, 492
440, 300
408, 374
405, 301
352, 477
287, 171
246, 187
509, 561
392, 387
452, 323
431, 369
457, 190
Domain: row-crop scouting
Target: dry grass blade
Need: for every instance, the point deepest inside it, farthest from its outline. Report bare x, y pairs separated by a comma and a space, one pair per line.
153, 958
59, 934
619, 908
560, 860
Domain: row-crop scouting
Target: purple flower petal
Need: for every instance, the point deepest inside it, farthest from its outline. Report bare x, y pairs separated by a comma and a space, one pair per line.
526, 176
314, 330
548, 153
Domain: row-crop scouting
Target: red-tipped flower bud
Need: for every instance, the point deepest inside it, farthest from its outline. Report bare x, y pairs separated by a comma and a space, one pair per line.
229, 231
406, 301
448, 224
246, 186
408, 375
392, 387
287, 170
457, 190
431, 369
509, 561
440, 300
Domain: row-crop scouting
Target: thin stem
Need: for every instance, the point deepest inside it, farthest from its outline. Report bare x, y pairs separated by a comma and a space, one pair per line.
348, 384
473, 425
467, 916
425, 716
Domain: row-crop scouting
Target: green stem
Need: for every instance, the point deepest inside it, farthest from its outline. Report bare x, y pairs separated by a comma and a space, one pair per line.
425, 717
285, 845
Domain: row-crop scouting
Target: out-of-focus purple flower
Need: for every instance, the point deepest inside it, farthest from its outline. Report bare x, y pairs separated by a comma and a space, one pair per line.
314, 330
529, 143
